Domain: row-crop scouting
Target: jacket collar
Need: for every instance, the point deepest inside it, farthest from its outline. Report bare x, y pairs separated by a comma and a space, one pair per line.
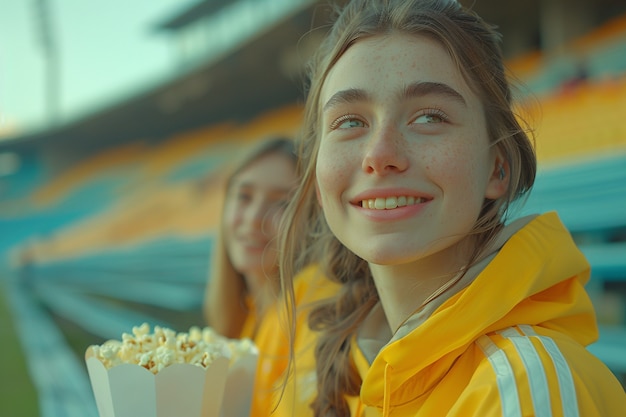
375, 333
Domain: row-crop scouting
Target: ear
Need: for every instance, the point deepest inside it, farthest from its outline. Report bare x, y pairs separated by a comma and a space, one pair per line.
500, 177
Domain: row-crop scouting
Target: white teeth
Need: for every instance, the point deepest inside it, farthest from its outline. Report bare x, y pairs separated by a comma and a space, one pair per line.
390, 202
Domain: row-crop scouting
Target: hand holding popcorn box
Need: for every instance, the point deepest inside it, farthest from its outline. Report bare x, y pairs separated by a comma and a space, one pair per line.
169, 374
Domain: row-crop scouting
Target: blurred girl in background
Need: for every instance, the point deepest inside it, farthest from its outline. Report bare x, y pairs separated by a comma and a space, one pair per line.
244, 276
243, 288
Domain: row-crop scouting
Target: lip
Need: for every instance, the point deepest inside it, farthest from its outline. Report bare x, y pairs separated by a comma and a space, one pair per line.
388, 192
398, 213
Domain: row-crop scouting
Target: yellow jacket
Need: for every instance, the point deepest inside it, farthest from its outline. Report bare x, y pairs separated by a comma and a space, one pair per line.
511, 343
273, 343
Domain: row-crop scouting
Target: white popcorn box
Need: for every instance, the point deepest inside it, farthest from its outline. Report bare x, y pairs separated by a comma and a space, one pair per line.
130, 390
239, 387
170, 374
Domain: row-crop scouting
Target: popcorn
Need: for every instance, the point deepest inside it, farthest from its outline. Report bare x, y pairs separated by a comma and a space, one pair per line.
164, 347
188, 373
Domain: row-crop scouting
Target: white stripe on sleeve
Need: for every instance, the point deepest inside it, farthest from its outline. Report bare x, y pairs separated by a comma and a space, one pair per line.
563, 373
505, 378
537, 380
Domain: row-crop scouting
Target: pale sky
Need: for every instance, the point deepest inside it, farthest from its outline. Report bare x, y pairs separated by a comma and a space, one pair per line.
107, 50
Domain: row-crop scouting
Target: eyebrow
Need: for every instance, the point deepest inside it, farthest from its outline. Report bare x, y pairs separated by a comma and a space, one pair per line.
417, 89
425, 88
351, 95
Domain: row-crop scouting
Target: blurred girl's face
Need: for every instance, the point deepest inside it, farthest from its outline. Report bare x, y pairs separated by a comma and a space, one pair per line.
254, 204
404, 163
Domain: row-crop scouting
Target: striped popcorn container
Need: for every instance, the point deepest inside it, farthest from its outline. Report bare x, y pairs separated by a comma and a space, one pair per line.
169, 374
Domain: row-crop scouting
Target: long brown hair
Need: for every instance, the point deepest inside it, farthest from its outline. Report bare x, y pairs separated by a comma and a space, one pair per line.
475, 48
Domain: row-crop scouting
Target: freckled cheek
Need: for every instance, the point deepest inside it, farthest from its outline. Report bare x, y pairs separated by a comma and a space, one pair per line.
451, 168
331, 173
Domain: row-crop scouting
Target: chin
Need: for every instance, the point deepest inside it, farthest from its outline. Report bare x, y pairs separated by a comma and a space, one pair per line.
385, 257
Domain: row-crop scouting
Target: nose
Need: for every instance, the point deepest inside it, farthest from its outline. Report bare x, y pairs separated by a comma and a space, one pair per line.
259, 216
386, 152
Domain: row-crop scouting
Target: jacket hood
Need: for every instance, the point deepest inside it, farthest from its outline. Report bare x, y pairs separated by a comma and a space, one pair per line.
536, 277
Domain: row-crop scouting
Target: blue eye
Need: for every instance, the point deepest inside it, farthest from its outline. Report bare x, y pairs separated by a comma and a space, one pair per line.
347, 122
243, 196
431, 116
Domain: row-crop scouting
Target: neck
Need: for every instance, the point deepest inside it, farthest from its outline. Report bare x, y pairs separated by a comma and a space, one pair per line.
263, 290
405, 289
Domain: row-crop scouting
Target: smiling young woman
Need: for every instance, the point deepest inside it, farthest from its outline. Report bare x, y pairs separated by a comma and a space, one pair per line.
410, 156
243, 282
242, 293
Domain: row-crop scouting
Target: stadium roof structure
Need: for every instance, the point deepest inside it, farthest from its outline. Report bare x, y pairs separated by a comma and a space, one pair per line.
247, 80
264, 72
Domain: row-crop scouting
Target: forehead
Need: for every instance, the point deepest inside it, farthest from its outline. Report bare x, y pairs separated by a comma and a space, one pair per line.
394, 61
273, 170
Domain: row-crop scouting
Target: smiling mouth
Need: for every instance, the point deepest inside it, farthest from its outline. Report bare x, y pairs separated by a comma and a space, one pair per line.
389, 203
